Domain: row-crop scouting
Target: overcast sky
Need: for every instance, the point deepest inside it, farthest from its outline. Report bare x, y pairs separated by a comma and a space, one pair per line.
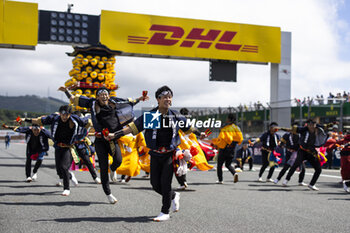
320, 53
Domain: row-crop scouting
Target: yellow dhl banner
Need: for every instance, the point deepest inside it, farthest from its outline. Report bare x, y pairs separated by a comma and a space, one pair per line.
138, 34
18, 23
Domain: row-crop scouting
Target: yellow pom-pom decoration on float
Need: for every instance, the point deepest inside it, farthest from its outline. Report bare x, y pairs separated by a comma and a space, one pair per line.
101, 76
100, 65
89, 57
98, 58
85, 61
78, 92
87, 93
88, 80
76, 70
112, 59
78, 77
79, 56
93, 74
93, 62
108, 65
88, 69
84, 74
104, 59
68, 83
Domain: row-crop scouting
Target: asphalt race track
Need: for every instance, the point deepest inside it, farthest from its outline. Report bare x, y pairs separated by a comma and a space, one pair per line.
247, 206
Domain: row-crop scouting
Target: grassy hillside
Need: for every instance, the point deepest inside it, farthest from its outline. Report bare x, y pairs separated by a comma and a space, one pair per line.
30, 103
34, 106
8, 116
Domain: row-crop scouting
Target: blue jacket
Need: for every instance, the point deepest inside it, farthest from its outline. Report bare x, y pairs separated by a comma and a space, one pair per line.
44, 136
81, 136
79, 124
151, 134
123, 111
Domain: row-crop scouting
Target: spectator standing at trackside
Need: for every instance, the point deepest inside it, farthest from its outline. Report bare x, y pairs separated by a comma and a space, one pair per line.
269, 141
330, 98
7, 140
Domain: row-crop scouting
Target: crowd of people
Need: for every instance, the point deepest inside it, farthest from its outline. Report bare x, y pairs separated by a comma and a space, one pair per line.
171, 147
320, 100
306, 101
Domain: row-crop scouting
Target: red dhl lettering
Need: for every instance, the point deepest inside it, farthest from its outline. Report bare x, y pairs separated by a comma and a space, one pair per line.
166, 35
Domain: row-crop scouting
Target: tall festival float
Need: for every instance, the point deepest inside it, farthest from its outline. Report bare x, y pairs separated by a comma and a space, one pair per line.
92, 67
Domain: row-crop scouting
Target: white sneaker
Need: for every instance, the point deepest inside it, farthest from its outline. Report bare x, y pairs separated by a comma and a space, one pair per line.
74, 179
312, 187
284, 183
253, 170
122, 181
35, 176
219, 182
182, 187
176, 202
161, 217
276, 181
235, 178
270, 180
185, 184
302, 184
113, 176
97, 180
66, 192
238, 170
260, 179
59, 182
29, 179
112, 199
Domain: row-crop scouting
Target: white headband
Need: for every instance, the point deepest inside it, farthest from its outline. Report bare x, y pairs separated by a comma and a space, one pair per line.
102, 91
164, 93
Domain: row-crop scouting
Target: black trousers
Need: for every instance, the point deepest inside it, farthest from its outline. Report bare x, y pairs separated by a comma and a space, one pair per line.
287, 166
161, 177
241, 164
225, 156
29, 165
329, 156
84, 155
63, 159
303, 155
265, 163
181, 179
103, 149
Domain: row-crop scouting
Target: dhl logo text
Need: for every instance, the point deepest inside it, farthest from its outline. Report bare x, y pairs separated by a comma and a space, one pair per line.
172, 35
